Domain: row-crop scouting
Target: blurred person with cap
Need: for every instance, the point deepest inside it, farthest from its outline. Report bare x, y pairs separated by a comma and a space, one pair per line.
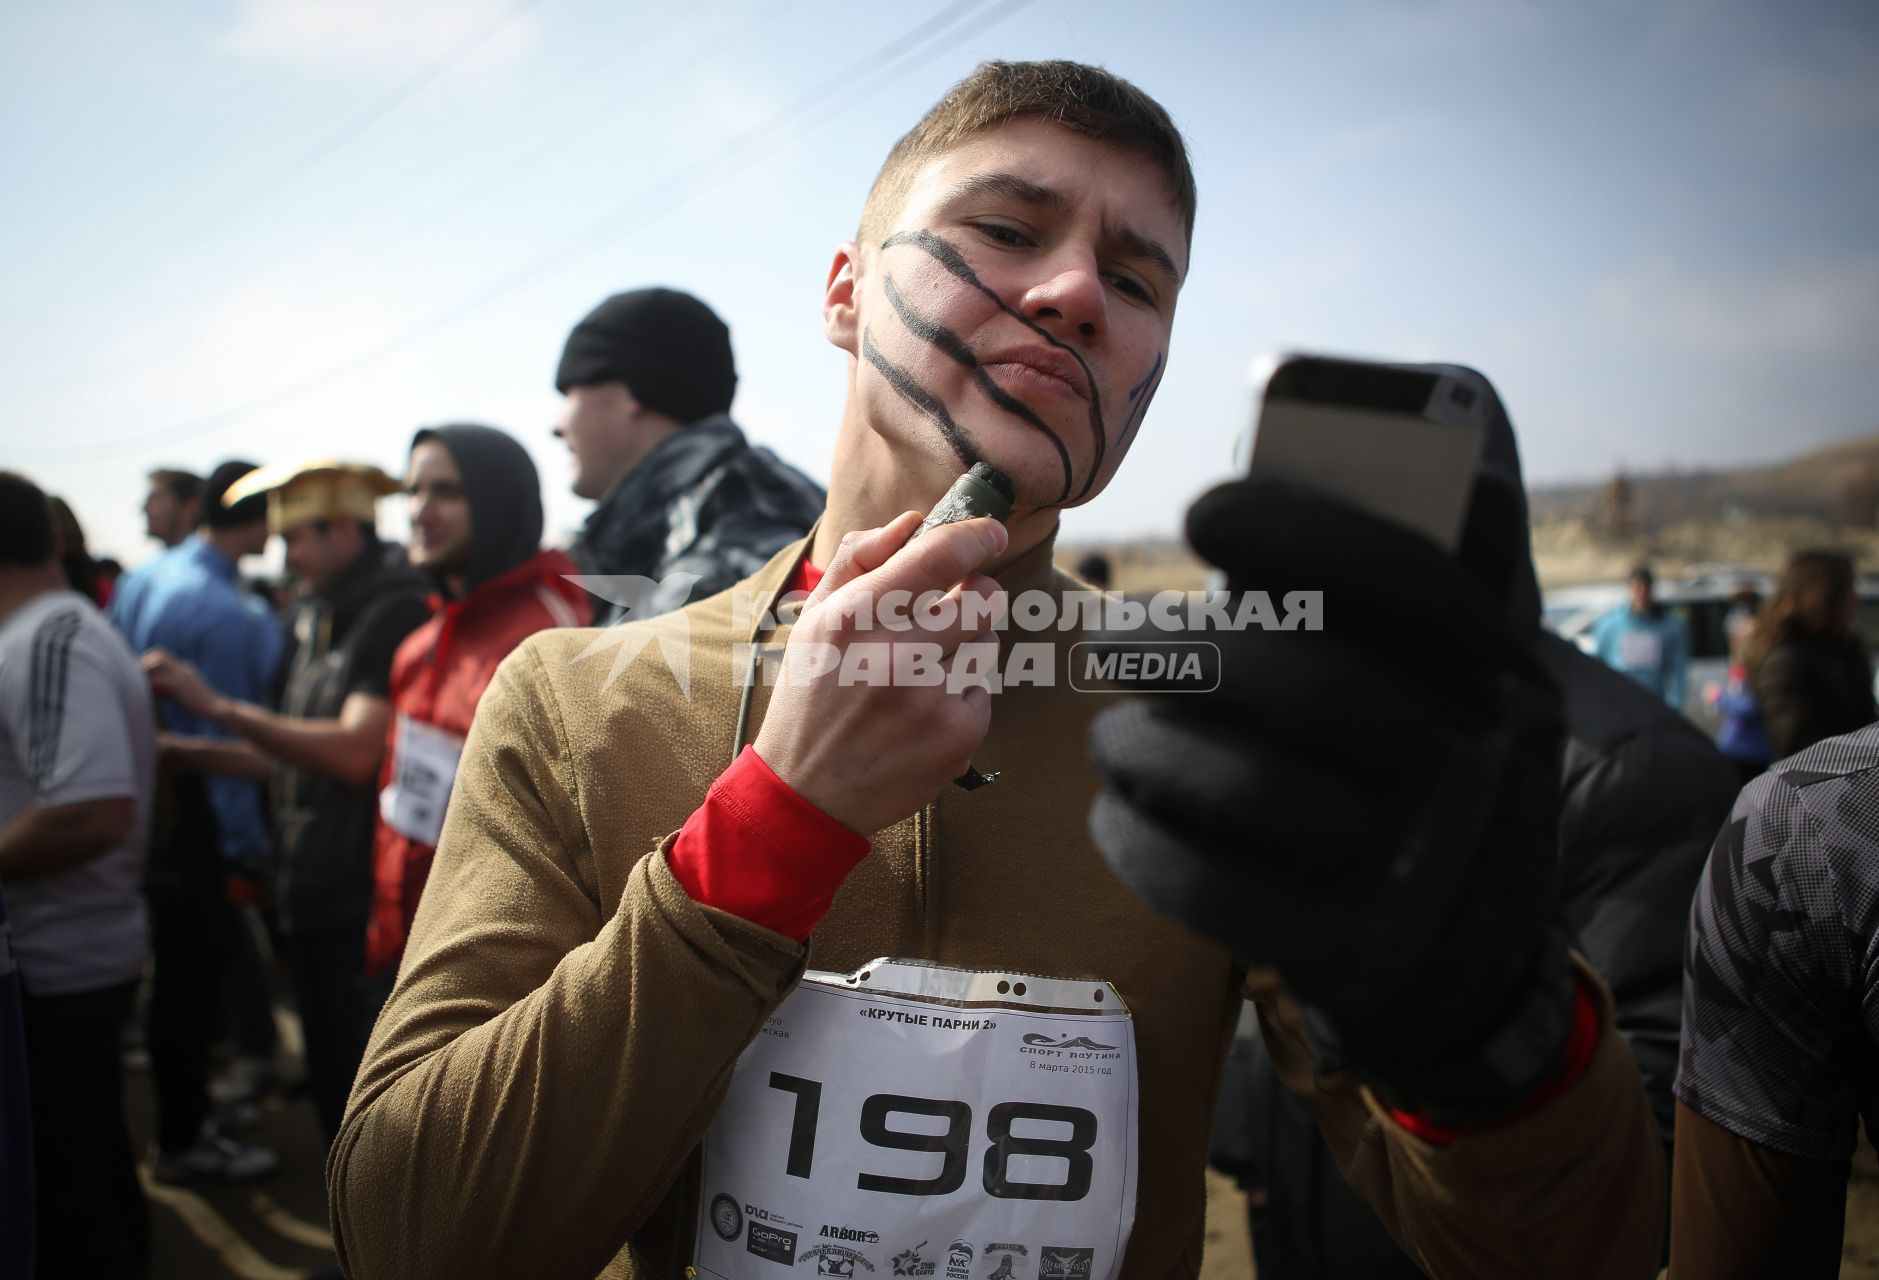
190, 603
1646, 641
648, 378
323, 747
77, 773
476, 527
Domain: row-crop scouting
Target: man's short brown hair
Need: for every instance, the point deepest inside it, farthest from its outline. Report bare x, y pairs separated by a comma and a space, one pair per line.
1087, 99
184, 486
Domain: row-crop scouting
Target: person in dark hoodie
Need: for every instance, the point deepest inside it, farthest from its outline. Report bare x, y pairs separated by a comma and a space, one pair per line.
1642, 794
323, 747
683, 499
476, 527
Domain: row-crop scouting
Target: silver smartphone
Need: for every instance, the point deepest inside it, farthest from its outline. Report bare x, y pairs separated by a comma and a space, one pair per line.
1396, 441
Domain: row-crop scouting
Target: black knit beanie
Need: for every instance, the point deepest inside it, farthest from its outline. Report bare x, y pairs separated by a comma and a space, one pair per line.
250, 510
670, 349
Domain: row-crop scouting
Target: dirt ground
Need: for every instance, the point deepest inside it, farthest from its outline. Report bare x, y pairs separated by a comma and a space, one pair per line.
1230, 1250
1229, 1253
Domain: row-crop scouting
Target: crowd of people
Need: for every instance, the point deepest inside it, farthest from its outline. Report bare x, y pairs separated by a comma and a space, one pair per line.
539, 915
238, 759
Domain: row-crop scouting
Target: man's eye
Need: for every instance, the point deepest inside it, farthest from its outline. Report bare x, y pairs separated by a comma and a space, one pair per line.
998, 233
1131, 286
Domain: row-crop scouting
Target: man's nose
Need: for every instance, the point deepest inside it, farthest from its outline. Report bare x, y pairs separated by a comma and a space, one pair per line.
1070, 302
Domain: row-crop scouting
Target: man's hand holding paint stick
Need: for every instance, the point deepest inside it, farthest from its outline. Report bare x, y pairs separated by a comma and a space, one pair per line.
871, 749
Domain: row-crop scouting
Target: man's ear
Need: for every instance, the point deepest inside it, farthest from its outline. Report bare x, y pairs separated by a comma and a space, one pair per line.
839, 320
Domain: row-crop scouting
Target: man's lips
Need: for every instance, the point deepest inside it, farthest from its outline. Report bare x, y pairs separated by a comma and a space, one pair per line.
1037, 368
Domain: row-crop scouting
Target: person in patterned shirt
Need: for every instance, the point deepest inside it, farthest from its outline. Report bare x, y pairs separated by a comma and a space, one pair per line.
1780, 1020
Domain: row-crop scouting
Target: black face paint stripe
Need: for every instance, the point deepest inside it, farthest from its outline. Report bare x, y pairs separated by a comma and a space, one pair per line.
1148, 384
919, 397
1136, 390
944, 253
951, 343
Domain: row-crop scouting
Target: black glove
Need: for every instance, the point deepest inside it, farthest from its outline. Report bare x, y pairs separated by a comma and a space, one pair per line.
1370, 808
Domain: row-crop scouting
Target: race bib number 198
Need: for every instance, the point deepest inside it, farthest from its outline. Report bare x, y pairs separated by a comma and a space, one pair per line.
914, 1120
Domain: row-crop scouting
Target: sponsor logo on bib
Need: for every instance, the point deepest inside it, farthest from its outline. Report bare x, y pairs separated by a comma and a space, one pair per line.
773, 1243
1059, 1263
909, 1262
726, 1218
834, 1260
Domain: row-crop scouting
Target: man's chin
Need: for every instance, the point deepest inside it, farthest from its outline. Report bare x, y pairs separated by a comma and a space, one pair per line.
1036, 475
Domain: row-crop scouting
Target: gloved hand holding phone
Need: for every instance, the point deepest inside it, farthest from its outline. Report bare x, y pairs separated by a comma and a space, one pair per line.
1370, 808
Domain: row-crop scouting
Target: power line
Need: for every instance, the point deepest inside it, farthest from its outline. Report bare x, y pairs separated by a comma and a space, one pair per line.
914, 48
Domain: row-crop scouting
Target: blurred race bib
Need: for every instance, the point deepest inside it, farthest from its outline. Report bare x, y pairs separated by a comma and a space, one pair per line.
1640, 650
914, 1120
423, 766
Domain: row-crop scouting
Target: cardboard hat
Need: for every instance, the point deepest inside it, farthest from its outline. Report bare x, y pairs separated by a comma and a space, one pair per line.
322, 490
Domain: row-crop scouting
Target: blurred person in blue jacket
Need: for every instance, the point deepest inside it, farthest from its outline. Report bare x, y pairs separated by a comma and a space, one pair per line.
191, 601
1645, 641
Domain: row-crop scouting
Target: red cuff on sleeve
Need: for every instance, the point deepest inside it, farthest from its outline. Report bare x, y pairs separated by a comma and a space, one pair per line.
757, 849
1581, 1045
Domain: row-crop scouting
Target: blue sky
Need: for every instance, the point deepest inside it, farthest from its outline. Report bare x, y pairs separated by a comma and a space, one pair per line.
289, 228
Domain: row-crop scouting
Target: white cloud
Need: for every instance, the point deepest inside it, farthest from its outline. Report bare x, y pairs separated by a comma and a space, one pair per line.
374, 35
1824, 306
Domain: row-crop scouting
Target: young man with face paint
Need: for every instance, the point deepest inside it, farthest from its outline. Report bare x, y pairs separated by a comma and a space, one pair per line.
634, 872
476, 527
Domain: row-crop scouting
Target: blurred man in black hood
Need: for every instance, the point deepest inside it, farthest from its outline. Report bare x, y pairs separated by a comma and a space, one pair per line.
476, 525
493, 477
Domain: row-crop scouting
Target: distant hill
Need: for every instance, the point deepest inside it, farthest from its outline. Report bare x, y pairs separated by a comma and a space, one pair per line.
1673, 520
1839, 483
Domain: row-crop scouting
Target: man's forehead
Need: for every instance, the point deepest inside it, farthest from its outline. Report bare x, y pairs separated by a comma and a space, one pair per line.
1044, 163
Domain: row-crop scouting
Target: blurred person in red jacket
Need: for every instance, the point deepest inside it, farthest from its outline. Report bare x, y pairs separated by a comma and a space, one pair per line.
476, 527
